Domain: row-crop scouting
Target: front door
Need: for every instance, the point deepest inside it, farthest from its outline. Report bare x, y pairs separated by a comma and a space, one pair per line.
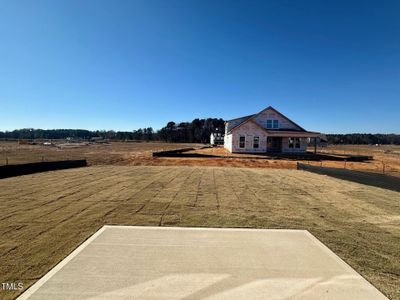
274, 144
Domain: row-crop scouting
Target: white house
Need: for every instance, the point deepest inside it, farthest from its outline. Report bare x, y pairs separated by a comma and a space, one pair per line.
216, 138
268, 131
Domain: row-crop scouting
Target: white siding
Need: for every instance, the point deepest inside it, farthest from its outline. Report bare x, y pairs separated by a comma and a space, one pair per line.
269, 114
249, 130
228, 142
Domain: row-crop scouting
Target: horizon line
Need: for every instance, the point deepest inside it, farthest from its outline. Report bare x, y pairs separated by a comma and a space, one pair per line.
155, 130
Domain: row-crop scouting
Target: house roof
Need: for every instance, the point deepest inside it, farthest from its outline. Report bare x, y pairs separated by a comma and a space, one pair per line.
241, 121
251, 117
246, 117
283, 116
286, 132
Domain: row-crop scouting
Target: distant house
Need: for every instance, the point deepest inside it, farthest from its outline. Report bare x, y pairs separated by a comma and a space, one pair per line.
72, 139
98, 139
268, 131
217, 138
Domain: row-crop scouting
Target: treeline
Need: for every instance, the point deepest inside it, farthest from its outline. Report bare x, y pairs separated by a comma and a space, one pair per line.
363, 139
197, 131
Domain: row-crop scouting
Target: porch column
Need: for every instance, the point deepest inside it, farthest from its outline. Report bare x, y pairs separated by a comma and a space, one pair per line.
315, 145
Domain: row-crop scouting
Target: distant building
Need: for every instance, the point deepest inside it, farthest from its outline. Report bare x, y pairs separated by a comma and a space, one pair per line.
268, 131
217, 138
98, 139
71, 139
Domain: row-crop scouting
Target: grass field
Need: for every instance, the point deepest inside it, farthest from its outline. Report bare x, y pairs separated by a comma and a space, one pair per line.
45, 216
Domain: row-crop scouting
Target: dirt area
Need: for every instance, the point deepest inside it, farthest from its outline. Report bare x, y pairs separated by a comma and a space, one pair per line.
114, 153
47, 215
386, 158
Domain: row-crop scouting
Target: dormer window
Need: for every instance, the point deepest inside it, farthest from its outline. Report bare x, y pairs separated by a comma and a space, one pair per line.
272, 124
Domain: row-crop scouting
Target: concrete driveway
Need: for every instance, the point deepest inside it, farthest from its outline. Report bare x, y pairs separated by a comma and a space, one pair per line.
127, 262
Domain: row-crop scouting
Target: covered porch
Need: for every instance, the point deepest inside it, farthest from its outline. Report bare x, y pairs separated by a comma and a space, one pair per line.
279, 141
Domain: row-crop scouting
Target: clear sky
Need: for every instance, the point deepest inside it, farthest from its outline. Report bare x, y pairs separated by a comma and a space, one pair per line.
331, 66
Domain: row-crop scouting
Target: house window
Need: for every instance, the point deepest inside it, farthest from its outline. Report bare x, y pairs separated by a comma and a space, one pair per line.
291, 143
273, 124
294, 143
297, 143
242, 141
256, 142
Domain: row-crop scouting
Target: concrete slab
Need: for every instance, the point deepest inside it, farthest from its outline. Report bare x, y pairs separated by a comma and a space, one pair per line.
127, 262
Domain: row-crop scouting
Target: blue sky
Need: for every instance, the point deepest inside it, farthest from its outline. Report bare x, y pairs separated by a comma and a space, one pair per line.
331, 66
